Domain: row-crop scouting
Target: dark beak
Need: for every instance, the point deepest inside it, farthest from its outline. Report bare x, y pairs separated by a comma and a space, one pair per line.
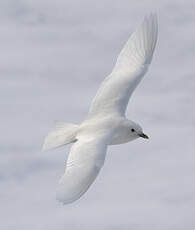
143, 135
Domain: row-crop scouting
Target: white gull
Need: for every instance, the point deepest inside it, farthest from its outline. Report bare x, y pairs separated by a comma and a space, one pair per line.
106, 123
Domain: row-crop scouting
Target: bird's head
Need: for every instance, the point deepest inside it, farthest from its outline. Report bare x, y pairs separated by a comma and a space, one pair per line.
136, 131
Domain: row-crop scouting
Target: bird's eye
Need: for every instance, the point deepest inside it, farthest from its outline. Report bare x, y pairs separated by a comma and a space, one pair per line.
132, 130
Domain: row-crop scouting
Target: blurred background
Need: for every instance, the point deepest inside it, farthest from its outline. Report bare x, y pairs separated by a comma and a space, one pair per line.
53, 57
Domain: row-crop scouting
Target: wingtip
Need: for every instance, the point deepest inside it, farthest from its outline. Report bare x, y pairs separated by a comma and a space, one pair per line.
151, 16
151, 20
63, 199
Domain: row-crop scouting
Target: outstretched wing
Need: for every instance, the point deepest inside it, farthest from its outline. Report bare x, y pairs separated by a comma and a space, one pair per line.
83, 165
131, 65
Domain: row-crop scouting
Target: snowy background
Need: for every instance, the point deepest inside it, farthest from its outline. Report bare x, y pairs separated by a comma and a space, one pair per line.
53, 57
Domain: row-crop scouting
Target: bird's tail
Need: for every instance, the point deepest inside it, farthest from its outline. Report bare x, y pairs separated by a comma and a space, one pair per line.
61, 134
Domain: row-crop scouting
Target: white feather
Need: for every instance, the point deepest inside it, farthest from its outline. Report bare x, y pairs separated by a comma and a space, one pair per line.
132, 63
62, 134
84, 163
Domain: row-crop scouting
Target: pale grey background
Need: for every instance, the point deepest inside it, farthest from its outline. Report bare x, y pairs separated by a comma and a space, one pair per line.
53, 56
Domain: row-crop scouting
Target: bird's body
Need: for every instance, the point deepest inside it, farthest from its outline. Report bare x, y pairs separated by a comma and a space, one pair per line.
117, 127
106, 123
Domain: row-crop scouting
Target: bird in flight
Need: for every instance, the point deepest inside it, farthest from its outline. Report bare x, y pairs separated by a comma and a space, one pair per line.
106, 123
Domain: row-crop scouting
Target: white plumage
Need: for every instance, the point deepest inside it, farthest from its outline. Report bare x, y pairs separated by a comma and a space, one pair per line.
132, 63
84, 163
106, 123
